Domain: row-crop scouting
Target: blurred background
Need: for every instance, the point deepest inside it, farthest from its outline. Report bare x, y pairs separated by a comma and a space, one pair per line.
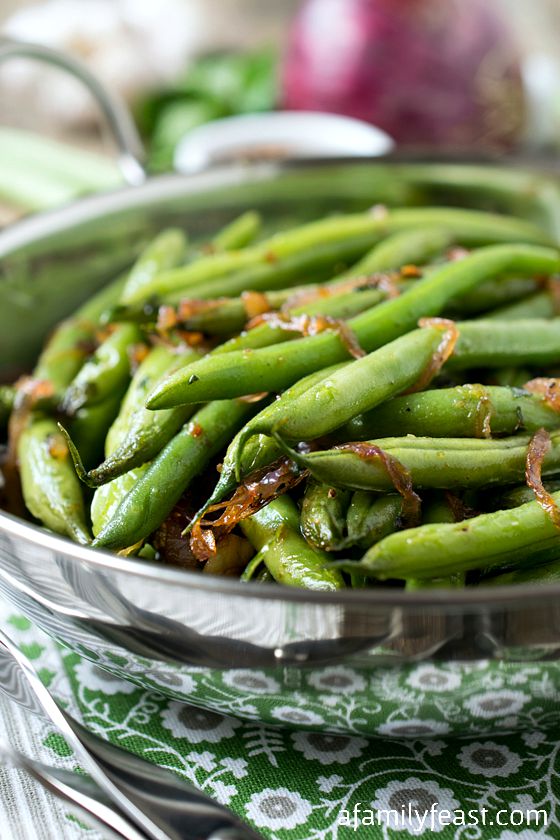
481, 77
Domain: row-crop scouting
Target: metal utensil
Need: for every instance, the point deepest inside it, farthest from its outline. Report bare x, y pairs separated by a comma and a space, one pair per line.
83, 794
153, 799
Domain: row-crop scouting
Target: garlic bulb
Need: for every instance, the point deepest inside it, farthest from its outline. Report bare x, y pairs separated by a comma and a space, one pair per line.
131, 45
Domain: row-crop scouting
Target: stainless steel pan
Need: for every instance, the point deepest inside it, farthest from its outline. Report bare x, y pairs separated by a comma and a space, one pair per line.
376, 661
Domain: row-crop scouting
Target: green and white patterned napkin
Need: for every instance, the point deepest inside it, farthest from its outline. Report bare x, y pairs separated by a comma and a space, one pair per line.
291, 784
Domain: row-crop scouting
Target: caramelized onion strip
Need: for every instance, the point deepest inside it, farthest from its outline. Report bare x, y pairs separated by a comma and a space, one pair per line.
549, 388
260, 488
450, 335
539, 446
397, 472
309, 325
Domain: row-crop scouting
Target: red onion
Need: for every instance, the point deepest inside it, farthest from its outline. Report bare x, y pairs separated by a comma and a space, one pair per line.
429, 72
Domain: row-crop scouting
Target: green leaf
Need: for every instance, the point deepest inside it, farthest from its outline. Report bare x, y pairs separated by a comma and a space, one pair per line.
215, 86
46, 676
19, 622
33, 650
58, 745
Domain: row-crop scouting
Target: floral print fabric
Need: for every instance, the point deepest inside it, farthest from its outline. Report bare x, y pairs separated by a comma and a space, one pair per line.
293, 783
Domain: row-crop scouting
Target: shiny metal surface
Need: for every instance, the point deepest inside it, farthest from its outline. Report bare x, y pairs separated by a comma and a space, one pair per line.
82, 794
129, 145
352, 662
154, 800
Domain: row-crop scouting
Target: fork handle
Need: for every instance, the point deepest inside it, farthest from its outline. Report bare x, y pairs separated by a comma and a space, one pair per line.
80, 792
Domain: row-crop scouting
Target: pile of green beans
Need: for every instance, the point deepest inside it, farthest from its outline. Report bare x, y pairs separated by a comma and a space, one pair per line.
366, 398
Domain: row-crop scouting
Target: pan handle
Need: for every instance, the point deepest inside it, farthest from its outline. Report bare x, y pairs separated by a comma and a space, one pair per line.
129, 145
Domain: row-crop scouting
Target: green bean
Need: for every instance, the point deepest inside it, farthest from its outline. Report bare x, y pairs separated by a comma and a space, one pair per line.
142, 433
107, 372
274, 530
510, 190
231, 313
293, 254
241, 457
239, 233
51, 489
251, 571
284, 259
150, 368
538, 341
451, 582
108, 498
547, 573
165, 252
506, 538
340, 306
464, 411
371, 517
154, 495
72, 341
245, 372
496, 344
265, 335
65, 353
415, 246
168, 251
90, 425
222, 318
510, 377
540, 305
323, 515
133, 419
491, 295
346, 520
411, 246
147, 552
437, 509
432, 462
7, 398
230, 316
517, 496
275, 270
56, 500
348, 391
256, 570
92, 310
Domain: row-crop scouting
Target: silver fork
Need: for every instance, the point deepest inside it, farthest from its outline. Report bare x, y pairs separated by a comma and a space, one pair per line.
149, 798
79, 791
